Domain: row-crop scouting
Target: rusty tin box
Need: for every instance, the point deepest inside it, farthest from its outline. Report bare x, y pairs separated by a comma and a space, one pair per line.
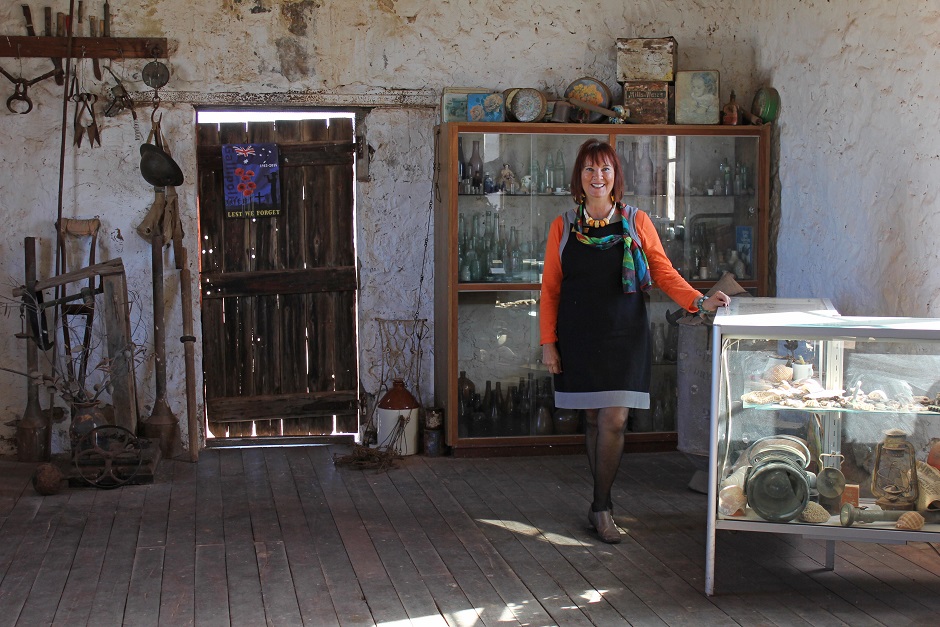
647, 59
650, 102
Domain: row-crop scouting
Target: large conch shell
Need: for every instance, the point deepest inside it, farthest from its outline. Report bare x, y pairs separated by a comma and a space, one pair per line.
731, 501
780, 373
911, 521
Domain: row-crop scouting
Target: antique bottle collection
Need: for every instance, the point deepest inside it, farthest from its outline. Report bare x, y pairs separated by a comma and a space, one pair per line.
508, 182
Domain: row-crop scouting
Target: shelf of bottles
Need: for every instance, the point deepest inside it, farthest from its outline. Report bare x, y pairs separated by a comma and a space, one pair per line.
699, 191
510, 188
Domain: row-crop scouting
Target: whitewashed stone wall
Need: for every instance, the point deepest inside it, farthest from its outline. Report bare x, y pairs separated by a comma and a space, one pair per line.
845, 150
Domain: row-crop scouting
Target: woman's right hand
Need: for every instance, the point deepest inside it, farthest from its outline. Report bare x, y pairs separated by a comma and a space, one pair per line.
551, 358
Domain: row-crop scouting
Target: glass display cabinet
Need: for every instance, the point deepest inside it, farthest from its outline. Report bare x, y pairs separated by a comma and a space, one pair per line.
823, 426
501, 185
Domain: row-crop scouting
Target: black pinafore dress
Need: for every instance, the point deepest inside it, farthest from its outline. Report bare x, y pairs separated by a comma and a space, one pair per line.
603, 333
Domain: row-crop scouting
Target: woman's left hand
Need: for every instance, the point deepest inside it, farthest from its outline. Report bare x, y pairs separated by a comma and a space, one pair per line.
716, 300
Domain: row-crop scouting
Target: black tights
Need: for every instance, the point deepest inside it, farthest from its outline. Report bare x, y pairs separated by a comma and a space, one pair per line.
604, 438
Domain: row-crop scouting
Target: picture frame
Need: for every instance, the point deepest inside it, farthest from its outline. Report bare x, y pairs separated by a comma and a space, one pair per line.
697, 94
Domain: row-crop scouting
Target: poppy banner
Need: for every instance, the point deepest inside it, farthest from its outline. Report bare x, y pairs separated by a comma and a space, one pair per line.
251, 180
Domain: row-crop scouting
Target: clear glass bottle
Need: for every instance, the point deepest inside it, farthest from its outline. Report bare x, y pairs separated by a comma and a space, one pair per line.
548, 178
644, 175
711, 262
624, 164
560, 174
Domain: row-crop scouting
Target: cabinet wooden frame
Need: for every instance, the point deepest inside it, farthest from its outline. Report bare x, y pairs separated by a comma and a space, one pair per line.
448, 288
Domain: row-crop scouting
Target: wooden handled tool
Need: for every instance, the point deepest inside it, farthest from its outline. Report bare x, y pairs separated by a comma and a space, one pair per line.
29, 21
590, 106
47, 31
93, 32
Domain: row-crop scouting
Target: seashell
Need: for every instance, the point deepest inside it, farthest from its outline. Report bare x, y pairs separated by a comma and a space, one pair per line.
761, 397
877, 396
825, 394
910, 520
731, 501
793, 402
780, 373
814, 513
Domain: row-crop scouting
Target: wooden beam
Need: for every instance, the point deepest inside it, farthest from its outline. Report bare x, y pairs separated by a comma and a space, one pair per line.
273, 406
84, 47
265, 282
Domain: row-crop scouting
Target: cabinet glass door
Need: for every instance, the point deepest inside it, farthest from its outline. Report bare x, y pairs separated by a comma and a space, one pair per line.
510, 188
701, 192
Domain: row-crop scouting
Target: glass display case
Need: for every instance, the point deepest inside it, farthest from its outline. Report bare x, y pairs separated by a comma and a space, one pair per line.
501, 185
824, 425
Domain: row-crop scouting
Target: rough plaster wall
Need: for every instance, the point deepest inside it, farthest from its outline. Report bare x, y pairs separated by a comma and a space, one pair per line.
327, 47
858, 154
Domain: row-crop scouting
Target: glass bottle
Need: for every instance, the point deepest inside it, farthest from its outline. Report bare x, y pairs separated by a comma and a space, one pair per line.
461, 161
476, 166
548, 178
487, 398
624, 164
634, 164
559, 174
535, 173
712, 261
465, 387
644, 174
510, 412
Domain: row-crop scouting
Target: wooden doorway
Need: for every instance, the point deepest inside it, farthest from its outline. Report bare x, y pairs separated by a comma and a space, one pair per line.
279, 320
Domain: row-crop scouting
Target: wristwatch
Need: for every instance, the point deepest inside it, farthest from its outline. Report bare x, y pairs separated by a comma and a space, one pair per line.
700, 304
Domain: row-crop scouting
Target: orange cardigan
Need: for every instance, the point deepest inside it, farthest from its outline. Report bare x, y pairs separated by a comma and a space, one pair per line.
664, 275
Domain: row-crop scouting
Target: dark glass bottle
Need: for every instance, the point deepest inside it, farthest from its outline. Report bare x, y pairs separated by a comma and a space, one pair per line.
461, 161
476, 167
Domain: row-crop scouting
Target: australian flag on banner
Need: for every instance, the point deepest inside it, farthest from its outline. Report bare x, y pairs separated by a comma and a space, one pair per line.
251, 180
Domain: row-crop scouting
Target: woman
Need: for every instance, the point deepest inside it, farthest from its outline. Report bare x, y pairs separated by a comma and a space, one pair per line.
595, 335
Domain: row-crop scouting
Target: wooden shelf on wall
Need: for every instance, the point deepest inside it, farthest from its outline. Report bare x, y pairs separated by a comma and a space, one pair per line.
84, 47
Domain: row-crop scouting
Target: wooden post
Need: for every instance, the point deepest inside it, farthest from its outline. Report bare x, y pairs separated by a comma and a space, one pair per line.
32, 430
120, 350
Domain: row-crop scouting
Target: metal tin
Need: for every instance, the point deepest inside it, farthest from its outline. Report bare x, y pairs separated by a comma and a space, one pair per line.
527, 105
592, 91
647, 59
561, 112
766, 104
649, 102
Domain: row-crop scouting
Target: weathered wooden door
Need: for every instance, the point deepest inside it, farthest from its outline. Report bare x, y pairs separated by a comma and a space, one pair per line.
279, 293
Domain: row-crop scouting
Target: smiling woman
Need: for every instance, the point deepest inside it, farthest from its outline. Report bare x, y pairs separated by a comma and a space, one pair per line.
600, 258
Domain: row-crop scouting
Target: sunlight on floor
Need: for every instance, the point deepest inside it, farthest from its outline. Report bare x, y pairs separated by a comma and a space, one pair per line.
534, 532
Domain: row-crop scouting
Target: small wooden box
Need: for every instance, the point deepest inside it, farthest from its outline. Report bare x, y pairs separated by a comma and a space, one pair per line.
649, 101
647, 59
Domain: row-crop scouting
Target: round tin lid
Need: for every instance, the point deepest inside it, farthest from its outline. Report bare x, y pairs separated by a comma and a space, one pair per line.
528, 105
589, 90
766, 104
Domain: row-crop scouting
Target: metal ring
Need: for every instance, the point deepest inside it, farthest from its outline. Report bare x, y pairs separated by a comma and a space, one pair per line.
19, 95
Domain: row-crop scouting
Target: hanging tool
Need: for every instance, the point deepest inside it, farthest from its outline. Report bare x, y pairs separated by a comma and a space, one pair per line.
85, 121
20, 85
29, 21
93, 32
47, 31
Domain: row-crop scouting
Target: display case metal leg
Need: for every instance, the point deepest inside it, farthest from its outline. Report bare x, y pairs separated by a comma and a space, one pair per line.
830, 554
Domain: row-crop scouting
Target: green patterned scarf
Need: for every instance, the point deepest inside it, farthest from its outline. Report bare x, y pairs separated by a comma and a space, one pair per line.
636, 269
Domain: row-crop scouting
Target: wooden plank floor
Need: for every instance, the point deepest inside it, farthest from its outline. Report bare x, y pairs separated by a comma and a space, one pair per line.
281, 536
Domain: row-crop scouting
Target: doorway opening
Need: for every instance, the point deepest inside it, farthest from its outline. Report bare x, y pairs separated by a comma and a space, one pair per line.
278, 281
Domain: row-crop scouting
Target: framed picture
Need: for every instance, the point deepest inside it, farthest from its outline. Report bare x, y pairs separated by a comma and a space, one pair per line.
487, 107
697, 97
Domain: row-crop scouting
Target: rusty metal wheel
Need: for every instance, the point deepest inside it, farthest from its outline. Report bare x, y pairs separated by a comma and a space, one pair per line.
108, 456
